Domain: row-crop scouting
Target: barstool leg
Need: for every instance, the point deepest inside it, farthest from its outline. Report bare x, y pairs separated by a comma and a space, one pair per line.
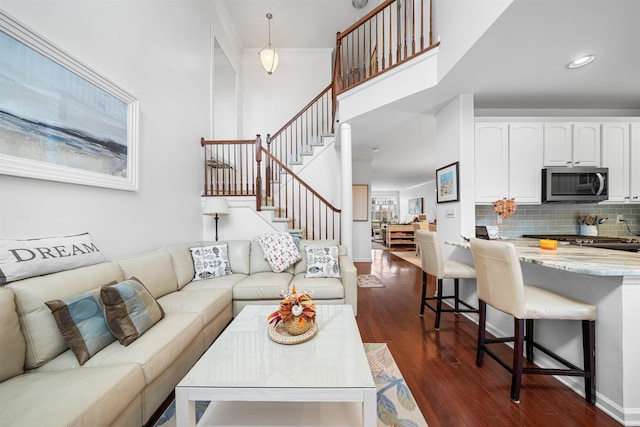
456, 293
439, 304
589, 352
528, 339
482, 323
424, 292
516, 374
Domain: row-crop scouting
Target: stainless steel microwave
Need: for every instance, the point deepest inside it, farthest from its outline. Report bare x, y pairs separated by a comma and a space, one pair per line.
578, 184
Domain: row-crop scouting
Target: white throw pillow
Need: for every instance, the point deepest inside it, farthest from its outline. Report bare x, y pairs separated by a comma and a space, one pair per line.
279, 249
211, 261
20, 259
322, 262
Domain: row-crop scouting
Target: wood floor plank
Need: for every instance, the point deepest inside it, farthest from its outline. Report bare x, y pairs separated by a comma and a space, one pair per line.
439, 366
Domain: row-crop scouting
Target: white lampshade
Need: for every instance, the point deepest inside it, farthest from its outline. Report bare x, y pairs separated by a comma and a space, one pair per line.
215, 206
269, 59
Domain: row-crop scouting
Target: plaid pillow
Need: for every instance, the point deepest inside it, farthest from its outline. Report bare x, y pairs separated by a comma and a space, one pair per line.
80, 319
130, 309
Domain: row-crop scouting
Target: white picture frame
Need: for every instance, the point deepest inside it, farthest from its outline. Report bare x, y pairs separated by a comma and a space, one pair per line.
59, 119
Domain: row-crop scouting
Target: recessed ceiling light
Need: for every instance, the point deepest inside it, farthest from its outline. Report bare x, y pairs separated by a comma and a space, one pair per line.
582, 61
375, 149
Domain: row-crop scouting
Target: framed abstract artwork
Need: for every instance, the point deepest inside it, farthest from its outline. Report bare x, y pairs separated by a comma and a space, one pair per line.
447, 184
59, 119
415, 206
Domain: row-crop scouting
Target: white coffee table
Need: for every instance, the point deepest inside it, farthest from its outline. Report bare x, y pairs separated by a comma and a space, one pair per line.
244, 365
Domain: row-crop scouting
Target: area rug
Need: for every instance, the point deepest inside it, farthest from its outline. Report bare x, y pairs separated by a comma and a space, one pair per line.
369, 281
409, 256
395, 406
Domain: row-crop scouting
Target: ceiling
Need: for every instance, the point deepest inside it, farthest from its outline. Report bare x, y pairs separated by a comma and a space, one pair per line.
519, 63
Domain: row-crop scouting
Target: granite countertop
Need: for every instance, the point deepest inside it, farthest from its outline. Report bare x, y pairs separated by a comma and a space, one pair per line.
577, 259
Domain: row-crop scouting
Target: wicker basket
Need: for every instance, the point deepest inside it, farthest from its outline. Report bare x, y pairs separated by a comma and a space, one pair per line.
295, 328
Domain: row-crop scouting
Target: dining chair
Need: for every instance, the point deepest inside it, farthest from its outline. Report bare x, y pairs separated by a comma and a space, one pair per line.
434, 265
501, 285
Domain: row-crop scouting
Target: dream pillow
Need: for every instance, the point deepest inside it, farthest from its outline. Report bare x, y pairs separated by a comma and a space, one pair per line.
322, 261
130, 309
210, 261
20, 259
81, 322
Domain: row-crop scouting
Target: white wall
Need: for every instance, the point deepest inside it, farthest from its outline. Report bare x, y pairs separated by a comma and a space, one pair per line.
160, 52
425, 190
455, 144
362, 229
270, 101
459, 24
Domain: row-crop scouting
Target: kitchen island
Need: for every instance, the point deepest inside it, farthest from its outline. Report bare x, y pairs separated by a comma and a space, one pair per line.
608, 279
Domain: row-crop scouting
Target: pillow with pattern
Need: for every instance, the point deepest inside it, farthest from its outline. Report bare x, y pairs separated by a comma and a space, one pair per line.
130, 310
279, 250
322, 262
81, 321
211, 261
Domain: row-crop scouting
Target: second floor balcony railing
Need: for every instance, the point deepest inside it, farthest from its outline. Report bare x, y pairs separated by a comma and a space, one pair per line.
389, 35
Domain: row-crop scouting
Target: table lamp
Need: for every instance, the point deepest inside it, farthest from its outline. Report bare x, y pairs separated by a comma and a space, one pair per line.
215, 206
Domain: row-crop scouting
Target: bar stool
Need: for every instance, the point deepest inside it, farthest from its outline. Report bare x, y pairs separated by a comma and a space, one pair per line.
434, 265
501, 285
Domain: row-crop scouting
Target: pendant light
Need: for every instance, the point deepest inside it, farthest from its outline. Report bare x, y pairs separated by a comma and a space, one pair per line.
268, 55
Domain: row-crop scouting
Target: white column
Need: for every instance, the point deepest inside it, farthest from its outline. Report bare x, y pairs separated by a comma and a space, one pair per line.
347, 181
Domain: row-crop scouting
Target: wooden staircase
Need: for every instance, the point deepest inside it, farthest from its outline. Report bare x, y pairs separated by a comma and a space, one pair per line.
392, 33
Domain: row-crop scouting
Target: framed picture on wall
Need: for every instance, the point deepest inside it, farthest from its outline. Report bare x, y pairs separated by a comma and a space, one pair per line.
360, 202
59, 119
447, 184
415, 206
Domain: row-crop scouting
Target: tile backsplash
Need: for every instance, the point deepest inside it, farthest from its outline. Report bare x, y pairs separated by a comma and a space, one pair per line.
560, 218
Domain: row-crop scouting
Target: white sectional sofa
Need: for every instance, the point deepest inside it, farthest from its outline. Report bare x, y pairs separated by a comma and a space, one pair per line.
42, 382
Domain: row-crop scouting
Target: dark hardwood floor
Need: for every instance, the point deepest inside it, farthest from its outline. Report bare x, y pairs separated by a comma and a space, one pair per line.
439, 367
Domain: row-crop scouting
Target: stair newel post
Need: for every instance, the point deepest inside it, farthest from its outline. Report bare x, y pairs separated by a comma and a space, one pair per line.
337, 68
258, 176
267, 171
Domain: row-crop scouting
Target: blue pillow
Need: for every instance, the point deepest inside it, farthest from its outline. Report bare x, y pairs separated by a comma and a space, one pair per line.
130, 309
81, 321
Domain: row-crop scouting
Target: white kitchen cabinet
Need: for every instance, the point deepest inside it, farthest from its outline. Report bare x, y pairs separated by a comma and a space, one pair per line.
615, 156
525, 162
621, 154
558, 144
491, 161
572, 144
634, 161
508, 161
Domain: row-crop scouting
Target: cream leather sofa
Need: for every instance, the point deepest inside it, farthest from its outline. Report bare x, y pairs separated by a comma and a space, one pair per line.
41, 380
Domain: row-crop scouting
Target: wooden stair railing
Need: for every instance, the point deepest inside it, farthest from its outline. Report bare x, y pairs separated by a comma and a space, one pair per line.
229, 167
386, 37
306, 129
293, 199
389, 35
234, 168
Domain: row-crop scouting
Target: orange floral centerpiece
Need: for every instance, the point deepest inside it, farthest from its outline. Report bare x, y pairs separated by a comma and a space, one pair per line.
296, 313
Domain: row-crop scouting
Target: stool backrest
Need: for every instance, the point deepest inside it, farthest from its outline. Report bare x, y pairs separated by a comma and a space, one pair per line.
499, 276
430, 252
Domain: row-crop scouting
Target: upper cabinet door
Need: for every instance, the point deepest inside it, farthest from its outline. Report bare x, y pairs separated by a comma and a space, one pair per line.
586, 144
615, 156
557, 144
491, 161
525, 162
634, 161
